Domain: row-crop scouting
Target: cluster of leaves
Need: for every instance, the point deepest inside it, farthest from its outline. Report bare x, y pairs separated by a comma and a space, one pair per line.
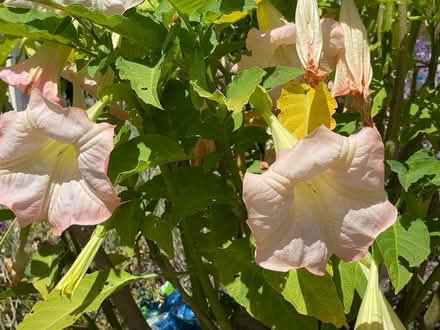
173, 77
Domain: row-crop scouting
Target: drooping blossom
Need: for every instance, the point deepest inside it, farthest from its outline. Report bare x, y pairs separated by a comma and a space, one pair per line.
353, 71
375, 311
278, 47
107, 7
42, 71
324, 196
53, 164
309, 43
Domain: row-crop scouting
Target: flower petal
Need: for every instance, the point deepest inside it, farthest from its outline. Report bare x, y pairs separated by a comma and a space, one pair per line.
53, 164
357, 54
42, 71
309, 34
325, 196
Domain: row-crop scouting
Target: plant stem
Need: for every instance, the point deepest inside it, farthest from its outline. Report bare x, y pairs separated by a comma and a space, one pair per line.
122, 299
417, 302
205, 281
403, 57
171, 275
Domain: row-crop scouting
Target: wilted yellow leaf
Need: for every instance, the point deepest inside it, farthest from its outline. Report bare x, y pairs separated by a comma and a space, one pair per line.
303, 108
268, 16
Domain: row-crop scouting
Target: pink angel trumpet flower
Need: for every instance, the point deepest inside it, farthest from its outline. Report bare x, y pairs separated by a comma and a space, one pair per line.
354, 72
107, 7
309, 41
324, 196
277, 47
42, 71
53, 164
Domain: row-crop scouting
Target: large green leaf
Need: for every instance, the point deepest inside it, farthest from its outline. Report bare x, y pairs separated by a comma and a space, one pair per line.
7, 44
409, 239
418, 166
190, 6
45, 266
197, 190
60, 312
144, 80
310, 294
160, 231
238, 92
245, 282
6, 214
35, 24
141, 153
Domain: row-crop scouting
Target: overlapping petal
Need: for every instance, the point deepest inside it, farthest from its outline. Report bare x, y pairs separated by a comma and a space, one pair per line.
309, 42
42, 71
277, 47
107, 7
53, 164
325, 196
354, 72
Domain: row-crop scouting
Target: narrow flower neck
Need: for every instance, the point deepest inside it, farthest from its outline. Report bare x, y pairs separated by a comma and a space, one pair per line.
282, 138
94, 112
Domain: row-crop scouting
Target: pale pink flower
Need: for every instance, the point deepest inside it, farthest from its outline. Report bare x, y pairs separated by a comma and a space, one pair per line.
322, 197
277, 47
353, 72
53, 164
42, 71
107, 7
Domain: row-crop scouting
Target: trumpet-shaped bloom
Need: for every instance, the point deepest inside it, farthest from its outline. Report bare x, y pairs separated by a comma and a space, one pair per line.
322, 197
107, 7
53, 164
42, 71
353, 72
309, 43
376, 312
277, 47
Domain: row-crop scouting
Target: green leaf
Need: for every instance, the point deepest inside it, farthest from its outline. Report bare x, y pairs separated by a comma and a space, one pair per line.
310, 294
36, 25
409, 239
244, 281
133, 25
240, 90
60, 312
432, 315
282, 75
45, 266
22, 289
6, 214
141, 153
420, 165
143, 79
7, 45
197, 190
127, 221
189, 6
160, 231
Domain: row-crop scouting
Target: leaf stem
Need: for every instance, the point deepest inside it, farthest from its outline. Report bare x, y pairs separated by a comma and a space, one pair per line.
417, 302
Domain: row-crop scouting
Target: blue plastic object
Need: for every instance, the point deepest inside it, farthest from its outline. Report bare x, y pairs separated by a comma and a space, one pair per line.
172, 314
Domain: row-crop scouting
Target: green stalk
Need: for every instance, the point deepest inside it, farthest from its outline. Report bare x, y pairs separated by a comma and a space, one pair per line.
403, 58
205, 281
417, 303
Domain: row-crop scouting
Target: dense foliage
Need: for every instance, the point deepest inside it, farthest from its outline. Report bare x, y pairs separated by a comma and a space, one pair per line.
279, 176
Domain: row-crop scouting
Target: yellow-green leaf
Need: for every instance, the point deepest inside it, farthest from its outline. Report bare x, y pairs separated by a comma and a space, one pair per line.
303, 108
